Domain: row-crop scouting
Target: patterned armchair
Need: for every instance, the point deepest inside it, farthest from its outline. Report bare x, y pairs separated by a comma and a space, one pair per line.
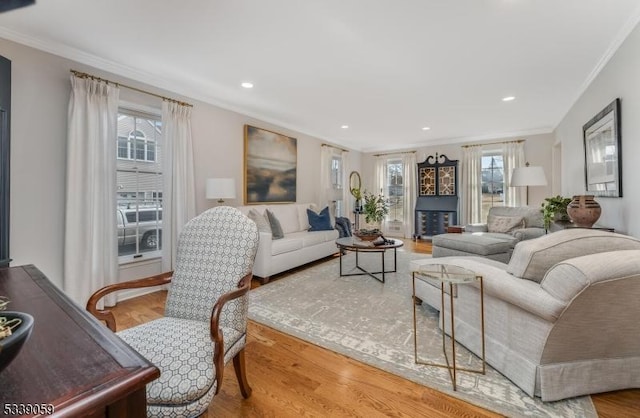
205, 320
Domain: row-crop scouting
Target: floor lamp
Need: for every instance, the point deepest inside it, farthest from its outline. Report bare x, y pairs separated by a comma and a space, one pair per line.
528, 176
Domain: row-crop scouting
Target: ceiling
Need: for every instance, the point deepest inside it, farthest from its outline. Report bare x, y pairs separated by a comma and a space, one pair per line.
387, 69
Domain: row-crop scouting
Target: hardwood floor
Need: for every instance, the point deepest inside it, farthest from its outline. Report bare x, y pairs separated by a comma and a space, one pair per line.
292, 378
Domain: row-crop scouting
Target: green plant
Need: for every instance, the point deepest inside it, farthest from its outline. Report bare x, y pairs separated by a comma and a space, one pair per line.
375, 207
554, 208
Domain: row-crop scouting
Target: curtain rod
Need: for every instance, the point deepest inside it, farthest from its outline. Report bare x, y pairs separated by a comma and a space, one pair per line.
333, 146
93, 77
394, 153
517, 141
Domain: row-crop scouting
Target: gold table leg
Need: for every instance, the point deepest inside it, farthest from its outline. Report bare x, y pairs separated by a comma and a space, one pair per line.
451, 366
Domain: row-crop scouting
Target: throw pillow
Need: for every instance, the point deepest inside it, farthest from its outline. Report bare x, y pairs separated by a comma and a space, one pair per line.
319, 221
276, 229
504, 224
260, 220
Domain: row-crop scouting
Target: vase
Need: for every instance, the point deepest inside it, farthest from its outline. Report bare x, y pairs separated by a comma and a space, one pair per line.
584, 211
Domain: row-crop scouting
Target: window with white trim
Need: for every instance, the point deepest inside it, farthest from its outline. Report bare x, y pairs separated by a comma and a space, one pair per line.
139, 185
337, 183
395, 190
492, 181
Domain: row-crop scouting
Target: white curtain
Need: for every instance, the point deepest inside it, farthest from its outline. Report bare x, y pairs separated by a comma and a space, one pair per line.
409, 167
513, 157
324, 199
346, 192
90, 242
178, 194
471, 184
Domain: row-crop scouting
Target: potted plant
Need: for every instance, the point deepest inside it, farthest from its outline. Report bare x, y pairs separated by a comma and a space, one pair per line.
555, 208
374, 209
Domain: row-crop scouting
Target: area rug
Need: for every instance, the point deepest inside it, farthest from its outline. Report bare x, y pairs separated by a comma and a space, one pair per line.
372, 322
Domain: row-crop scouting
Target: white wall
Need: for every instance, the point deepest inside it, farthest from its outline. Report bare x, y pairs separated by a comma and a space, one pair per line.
40, 95
619, 78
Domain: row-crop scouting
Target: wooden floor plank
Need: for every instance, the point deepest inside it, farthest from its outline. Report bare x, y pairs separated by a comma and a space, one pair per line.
292, 378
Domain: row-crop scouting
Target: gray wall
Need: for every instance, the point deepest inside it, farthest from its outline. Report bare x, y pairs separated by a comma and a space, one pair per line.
38, 156
619, 78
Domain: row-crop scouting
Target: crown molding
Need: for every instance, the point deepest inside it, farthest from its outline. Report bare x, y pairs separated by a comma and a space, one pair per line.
156, 81
465, 139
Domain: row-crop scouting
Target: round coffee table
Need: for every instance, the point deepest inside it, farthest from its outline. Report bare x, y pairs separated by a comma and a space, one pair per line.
358, 246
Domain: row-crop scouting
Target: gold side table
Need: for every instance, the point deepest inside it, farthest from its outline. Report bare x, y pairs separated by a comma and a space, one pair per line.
448, 275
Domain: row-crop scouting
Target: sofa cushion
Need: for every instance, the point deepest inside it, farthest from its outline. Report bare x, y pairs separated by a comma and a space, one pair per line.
532, 215
532, 259
276, 228
287, 215
303, 220
504, 224
481, 243
287, 244
319, 221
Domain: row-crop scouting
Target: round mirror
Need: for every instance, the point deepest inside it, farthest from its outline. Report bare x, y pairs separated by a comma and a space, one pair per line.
355, 184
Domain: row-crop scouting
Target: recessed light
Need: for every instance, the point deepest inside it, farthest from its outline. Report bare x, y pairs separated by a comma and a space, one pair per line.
247, 85
345, 126
508, 98
426, 128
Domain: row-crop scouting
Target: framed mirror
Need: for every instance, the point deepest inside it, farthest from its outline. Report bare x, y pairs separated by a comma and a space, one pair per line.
355, 184
602, 152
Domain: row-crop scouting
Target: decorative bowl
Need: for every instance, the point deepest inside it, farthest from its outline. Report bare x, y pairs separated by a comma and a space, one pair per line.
11, 345
366, 235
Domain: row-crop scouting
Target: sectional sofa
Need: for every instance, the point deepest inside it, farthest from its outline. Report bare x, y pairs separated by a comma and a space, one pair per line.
561, 319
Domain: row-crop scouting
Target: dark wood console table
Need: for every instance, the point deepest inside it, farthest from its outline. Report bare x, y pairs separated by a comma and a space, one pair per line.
72, 362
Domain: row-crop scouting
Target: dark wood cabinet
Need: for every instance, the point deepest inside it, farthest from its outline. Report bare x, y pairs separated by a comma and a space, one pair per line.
437, 201
71, 363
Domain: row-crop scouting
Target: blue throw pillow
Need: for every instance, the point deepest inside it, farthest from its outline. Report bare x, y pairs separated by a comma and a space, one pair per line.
319, 221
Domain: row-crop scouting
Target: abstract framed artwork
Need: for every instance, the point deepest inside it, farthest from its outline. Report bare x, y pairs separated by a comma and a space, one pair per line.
603, 152
270, 163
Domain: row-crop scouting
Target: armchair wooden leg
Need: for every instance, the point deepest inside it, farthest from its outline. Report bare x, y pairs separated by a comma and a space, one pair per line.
239, 367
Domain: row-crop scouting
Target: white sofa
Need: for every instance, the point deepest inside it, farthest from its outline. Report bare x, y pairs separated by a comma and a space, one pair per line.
561, 319
298, 247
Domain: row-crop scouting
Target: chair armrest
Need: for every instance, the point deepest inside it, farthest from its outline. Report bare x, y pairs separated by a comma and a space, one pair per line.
243, 287
106, 314
528, 233
216, 334
476, 228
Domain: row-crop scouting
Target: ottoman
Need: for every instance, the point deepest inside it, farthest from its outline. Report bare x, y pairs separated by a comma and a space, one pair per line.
492, 245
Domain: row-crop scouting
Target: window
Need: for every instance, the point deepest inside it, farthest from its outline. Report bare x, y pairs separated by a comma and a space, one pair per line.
139, 185
492, 181
135, 145
395, 190
337, 183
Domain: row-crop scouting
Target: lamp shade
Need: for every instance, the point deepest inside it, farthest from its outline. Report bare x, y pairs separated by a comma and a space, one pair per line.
528, 176
221, 188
